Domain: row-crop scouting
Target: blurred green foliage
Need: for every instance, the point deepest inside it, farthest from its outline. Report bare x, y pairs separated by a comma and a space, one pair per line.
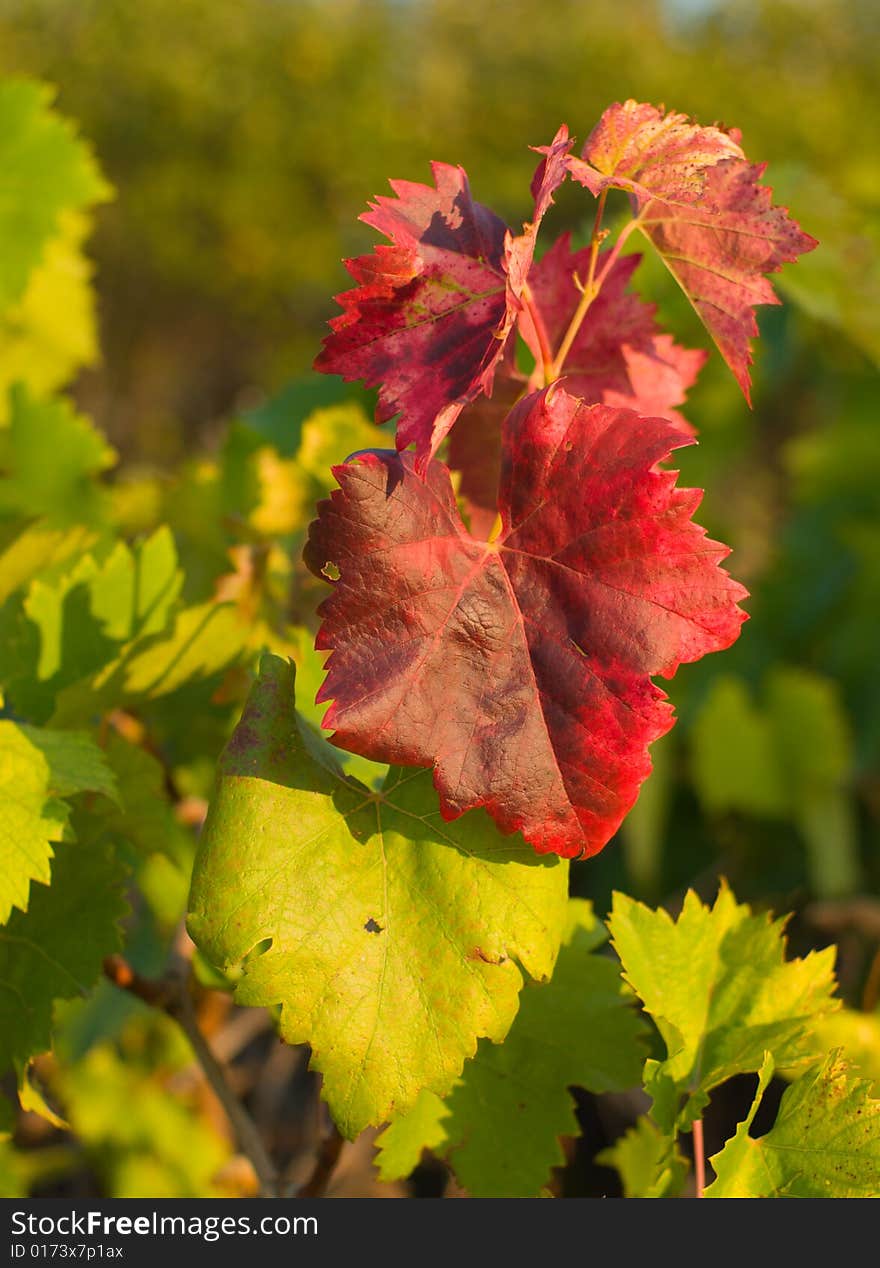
243, 138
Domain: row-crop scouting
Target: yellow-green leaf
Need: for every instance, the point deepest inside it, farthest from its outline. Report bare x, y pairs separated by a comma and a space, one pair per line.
392, 940
825, 1142
501, 1126
721, 992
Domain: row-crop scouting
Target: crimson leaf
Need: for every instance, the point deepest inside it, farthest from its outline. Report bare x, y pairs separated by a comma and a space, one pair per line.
432, 312
700, 204
618, 358
549, 175
520, 668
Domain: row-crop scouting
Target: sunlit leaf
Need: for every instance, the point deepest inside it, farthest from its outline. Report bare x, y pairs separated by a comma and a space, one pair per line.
391, 940
501, 1125
701, 206
825, 1142
647, 1160
521, 669
37, 769
721, 992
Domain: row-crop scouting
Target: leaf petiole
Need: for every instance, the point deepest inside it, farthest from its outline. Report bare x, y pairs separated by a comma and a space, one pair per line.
699, 1159
593, 284
588, 292
540, 332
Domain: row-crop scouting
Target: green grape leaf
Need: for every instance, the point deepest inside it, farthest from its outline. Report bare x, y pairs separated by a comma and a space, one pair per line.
790, 760
647, 1160
857, 1034
392, 941
288, 488
133, 593
76, 763
71, 639
26, 550
815, 757
32, 1101
310, 671
732, 757
400, 1146
55, 637
501, 1125
721, 992
37, 768
158, 847
35, 546
203, 640
31, 820
825, 1142
767, 761
55, 949
145, 818
50, 458
46, 169
82, 612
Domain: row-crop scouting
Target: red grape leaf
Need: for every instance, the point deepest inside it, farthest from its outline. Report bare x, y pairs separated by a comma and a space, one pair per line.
520, 669
551, 171
549, 175
637, 147
699, 202
432, 312
475, 444
618, 357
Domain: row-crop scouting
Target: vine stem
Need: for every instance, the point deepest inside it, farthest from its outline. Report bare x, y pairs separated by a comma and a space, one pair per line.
699, 1158
593, 284
537, 320
172, 994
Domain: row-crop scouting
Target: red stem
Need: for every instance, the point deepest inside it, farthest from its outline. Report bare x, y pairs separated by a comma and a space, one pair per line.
540, 330
699, 1158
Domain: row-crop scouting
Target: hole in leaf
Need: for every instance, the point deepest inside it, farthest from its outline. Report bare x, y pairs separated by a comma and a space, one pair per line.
373, 926
258, 949
330, 571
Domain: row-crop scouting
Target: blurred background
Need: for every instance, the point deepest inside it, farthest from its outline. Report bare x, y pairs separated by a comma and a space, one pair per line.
243, 138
